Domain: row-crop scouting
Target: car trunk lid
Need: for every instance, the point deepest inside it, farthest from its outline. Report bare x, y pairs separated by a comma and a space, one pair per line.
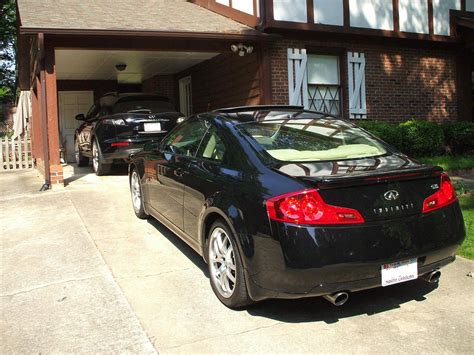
385, 192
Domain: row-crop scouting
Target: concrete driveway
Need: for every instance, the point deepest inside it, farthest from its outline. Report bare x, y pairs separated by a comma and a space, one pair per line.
81, 274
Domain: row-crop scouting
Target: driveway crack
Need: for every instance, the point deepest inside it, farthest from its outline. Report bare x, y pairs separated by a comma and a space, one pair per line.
49, 284
226, 335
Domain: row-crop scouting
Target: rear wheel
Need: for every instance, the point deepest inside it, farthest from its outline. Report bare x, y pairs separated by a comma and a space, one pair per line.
80, 159
137, 196
97, 165
226, 272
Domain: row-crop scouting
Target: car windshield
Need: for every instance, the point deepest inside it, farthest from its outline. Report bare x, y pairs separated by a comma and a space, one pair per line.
142, 105
312, 139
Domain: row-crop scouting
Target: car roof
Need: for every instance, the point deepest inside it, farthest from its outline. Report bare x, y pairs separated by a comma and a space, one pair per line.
244, 114
111, 98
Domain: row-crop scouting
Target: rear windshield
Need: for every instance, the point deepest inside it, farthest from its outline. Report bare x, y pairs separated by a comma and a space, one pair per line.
312, 139
142, 105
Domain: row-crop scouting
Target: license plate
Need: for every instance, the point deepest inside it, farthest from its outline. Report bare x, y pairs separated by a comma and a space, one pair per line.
152, 127
400, 271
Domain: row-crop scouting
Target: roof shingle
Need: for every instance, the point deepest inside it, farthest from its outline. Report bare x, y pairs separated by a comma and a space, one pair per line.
131, 15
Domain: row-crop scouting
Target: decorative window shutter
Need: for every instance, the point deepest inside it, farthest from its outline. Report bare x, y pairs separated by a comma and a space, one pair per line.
297, 77
356, 71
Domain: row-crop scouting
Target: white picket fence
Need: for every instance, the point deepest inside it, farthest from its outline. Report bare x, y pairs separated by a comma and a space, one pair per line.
15, 154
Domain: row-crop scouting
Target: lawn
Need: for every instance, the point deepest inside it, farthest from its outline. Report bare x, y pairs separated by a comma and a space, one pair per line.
467, 205
449, 162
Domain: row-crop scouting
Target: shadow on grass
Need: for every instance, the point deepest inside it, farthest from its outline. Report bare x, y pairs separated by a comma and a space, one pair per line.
316, 309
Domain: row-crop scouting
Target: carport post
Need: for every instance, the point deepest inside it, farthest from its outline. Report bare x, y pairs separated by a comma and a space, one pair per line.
52, 165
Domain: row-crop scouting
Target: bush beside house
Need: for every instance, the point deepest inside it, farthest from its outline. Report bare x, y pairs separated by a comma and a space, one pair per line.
423, 138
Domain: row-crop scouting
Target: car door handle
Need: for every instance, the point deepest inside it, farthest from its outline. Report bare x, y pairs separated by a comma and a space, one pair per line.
179, 172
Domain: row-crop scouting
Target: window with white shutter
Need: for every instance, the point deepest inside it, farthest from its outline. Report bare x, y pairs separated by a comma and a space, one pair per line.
314, 81
356, 79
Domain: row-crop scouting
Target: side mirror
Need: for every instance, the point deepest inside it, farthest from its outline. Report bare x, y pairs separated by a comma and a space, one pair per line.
150, 146
80, 117
170, 148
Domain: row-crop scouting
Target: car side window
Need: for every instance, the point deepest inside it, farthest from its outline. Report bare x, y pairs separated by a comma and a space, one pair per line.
93, 111
212, 147
186, 139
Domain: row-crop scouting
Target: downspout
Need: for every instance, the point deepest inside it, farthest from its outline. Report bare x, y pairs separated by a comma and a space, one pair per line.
44, 113
262, 24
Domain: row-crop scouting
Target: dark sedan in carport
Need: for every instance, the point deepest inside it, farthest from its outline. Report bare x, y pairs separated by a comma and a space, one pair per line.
287, 203
120, 124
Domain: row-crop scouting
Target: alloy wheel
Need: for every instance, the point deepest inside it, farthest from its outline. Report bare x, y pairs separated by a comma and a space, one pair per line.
95, 157
222, 262
76, 153
136, 192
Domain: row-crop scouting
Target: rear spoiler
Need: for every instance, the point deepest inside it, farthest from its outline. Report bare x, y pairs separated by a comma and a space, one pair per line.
372, 177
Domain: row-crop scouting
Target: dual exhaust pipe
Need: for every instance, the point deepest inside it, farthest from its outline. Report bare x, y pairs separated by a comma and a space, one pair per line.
432, 277
339, 298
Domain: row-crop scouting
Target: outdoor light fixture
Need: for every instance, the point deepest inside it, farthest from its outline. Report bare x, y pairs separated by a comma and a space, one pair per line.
241, 49
120, 67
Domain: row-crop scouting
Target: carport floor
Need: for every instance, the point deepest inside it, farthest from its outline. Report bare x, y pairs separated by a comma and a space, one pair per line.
59, 295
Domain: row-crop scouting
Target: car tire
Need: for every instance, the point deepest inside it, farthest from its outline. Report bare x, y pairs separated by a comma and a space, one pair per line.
80, 159
136, 192
226, 272
98, 166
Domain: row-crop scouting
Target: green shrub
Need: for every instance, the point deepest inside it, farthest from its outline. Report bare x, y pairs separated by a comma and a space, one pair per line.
459, 136
388, 132
422, 138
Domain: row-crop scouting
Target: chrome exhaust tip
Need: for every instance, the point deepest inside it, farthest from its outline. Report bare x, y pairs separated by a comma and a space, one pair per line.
432, 277
338, 298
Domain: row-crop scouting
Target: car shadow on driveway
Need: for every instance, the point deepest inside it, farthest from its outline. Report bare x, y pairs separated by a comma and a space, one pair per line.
368, 302
314, 309
180, 245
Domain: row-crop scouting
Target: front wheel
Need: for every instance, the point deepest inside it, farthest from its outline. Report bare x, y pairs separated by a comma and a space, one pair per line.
225, 267
80, 159
97, 165
137, 196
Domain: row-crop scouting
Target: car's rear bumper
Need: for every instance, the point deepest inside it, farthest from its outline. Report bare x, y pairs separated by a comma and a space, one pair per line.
315, 261
116, 154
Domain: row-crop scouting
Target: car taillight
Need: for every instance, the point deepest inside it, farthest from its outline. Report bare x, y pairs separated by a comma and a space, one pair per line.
120, 144
308, 207
441, 198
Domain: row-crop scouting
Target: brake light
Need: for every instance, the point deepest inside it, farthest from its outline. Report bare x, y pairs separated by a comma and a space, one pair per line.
120, 144
308, 207
441, 198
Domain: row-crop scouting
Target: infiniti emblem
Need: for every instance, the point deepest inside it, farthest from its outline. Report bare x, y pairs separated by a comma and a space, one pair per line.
391, 195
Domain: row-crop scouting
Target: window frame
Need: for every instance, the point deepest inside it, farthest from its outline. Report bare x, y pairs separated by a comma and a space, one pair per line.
341, 53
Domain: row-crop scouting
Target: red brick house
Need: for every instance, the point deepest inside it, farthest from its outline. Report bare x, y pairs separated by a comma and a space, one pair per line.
359, 59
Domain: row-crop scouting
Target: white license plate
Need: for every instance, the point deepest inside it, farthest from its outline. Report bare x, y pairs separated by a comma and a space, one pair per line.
152, 127
400, 271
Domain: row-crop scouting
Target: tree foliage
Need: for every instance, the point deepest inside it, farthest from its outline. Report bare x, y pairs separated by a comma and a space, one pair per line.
7, 51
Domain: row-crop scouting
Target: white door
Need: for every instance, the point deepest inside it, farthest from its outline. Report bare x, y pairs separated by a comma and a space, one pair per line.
72, 103
185, 96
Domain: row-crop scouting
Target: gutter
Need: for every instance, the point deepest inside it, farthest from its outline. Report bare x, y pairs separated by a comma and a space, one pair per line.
252, 35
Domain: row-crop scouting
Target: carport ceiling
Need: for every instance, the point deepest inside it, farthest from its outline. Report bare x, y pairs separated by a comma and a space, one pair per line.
74, 64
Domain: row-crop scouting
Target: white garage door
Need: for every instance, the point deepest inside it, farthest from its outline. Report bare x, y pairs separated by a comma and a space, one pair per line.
72, 103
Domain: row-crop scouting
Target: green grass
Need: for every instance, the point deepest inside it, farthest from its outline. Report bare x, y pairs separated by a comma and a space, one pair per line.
449, 162
467, 204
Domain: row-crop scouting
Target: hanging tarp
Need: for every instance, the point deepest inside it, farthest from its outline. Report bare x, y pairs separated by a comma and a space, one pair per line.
23, 114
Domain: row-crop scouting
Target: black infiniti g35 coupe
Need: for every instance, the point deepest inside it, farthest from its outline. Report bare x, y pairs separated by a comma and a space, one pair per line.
287, 203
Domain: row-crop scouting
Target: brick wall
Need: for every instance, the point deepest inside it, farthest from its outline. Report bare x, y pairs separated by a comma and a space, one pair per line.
223, 81
401, 82
163, 85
